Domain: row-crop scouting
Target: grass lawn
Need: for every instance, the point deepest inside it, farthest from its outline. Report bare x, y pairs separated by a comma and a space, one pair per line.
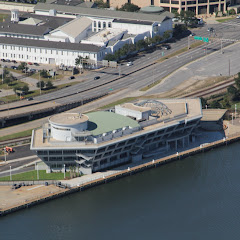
32, 175
3, 16
224, 20
17, 135
14, 97
121, 101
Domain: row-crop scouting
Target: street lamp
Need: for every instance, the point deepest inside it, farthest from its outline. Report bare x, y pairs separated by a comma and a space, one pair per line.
64, 170
10, 173
5, 155
37, 173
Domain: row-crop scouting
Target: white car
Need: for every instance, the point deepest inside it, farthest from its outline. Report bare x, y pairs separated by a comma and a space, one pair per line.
238, 17
129, 64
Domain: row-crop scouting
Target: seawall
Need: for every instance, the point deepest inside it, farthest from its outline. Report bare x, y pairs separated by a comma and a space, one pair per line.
124, 173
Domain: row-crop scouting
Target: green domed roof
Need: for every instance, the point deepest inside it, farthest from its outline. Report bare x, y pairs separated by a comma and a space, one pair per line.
151, 9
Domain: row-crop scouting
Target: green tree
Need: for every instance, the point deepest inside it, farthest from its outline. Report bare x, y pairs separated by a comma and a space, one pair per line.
78, 61
25, 89
22, 66
7, 80
101, 4
188, 17
167, 34
233, 93
203, 102
231, 12
110, 57
215, 104
129, 7
44, 73
237, 81
40, 84
49, 84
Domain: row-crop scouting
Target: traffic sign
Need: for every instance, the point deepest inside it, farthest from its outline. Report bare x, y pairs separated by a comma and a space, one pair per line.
162, 54
205, 39
198, 38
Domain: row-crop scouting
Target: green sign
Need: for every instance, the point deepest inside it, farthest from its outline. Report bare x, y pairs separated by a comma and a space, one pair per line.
198, 38
205, 39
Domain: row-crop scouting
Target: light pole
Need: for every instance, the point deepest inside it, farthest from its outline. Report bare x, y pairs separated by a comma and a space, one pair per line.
37, 173
5, 155
40, 84
64, 170
2, 73
232, 117
235, 111
10, 173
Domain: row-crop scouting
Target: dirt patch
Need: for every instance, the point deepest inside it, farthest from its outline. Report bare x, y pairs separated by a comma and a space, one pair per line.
13, 197
191, 85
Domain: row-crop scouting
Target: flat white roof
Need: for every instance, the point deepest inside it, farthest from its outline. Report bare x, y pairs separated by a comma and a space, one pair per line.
105, 35
75, 27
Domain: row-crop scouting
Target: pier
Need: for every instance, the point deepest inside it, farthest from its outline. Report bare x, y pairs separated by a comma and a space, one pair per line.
105, 178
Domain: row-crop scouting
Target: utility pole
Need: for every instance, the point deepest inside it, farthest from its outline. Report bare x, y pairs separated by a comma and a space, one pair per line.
221, 46
188, 42
40, 84
235, 111
2, 74
229, 67
10, 173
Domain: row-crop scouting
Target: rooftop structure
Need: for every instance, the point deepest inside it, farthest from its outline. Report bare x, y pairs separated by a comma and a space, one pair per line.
130, 132
74, 10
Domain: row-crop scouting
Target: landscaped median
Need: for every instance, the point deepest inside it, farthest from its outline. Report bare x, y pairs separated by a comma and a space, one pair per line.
180, 51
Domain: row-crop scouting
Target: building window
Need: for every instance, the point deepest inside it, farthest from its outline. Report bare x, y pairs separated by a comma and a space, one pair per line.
109, 24
94, 24
104, 24
99, 24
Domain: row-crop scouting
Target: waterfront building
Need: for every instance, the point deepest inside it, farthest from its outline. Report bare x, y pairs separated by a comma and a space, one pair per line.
101, 140
58, 34
197, 6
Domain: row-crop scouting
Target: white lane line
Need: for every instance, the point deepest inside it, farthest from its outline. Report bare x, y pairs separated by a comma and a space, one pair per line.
35, 187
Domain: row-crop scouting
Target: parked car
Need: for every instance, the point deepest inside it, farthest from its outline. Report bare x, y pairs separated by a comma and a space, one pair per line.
29, 63
211, 29
166, 46
14, 61
3, 60
71, 77
13, 67
238, 17
29, 99
8, 60
97, 77
129, 64
36, 64
192, 34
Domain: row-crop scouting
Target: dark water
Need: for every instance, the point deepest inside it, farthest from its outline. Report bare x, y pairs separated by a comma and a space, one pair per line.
196, 198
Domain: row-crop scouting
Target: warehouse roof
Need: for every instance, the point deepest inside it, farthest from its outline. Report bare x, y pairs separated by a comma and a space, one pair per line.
104, 13
75, 27
103, 122
49, 44
14, 28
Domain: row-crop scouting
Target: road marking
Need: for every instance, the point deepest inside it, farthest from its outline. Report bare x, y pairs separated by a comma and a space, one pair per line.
35, 187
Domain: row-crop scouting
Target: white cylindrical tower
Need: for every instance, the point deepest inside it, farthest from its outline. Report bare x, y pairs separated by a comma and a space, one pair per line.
14, 15
64, 124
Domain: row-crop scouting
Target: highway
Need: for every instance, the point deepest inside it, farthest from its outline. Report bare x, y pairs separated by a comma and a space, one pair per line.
142, 77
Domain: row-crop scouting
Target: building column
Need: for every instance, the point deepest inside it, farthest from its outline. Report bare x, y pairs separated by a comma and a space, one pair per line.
196, 7
208, 7
176, 146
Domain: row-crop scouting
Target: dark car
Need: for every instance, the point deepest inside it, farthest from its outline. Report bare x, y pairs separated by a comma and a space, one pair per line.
29, 99
71, 77
96, 78
36, 64
13, 67
166, 46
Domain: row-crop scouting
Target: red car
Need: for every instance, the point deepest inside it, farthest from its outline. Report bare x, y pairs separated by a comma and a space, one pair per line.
30, 63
